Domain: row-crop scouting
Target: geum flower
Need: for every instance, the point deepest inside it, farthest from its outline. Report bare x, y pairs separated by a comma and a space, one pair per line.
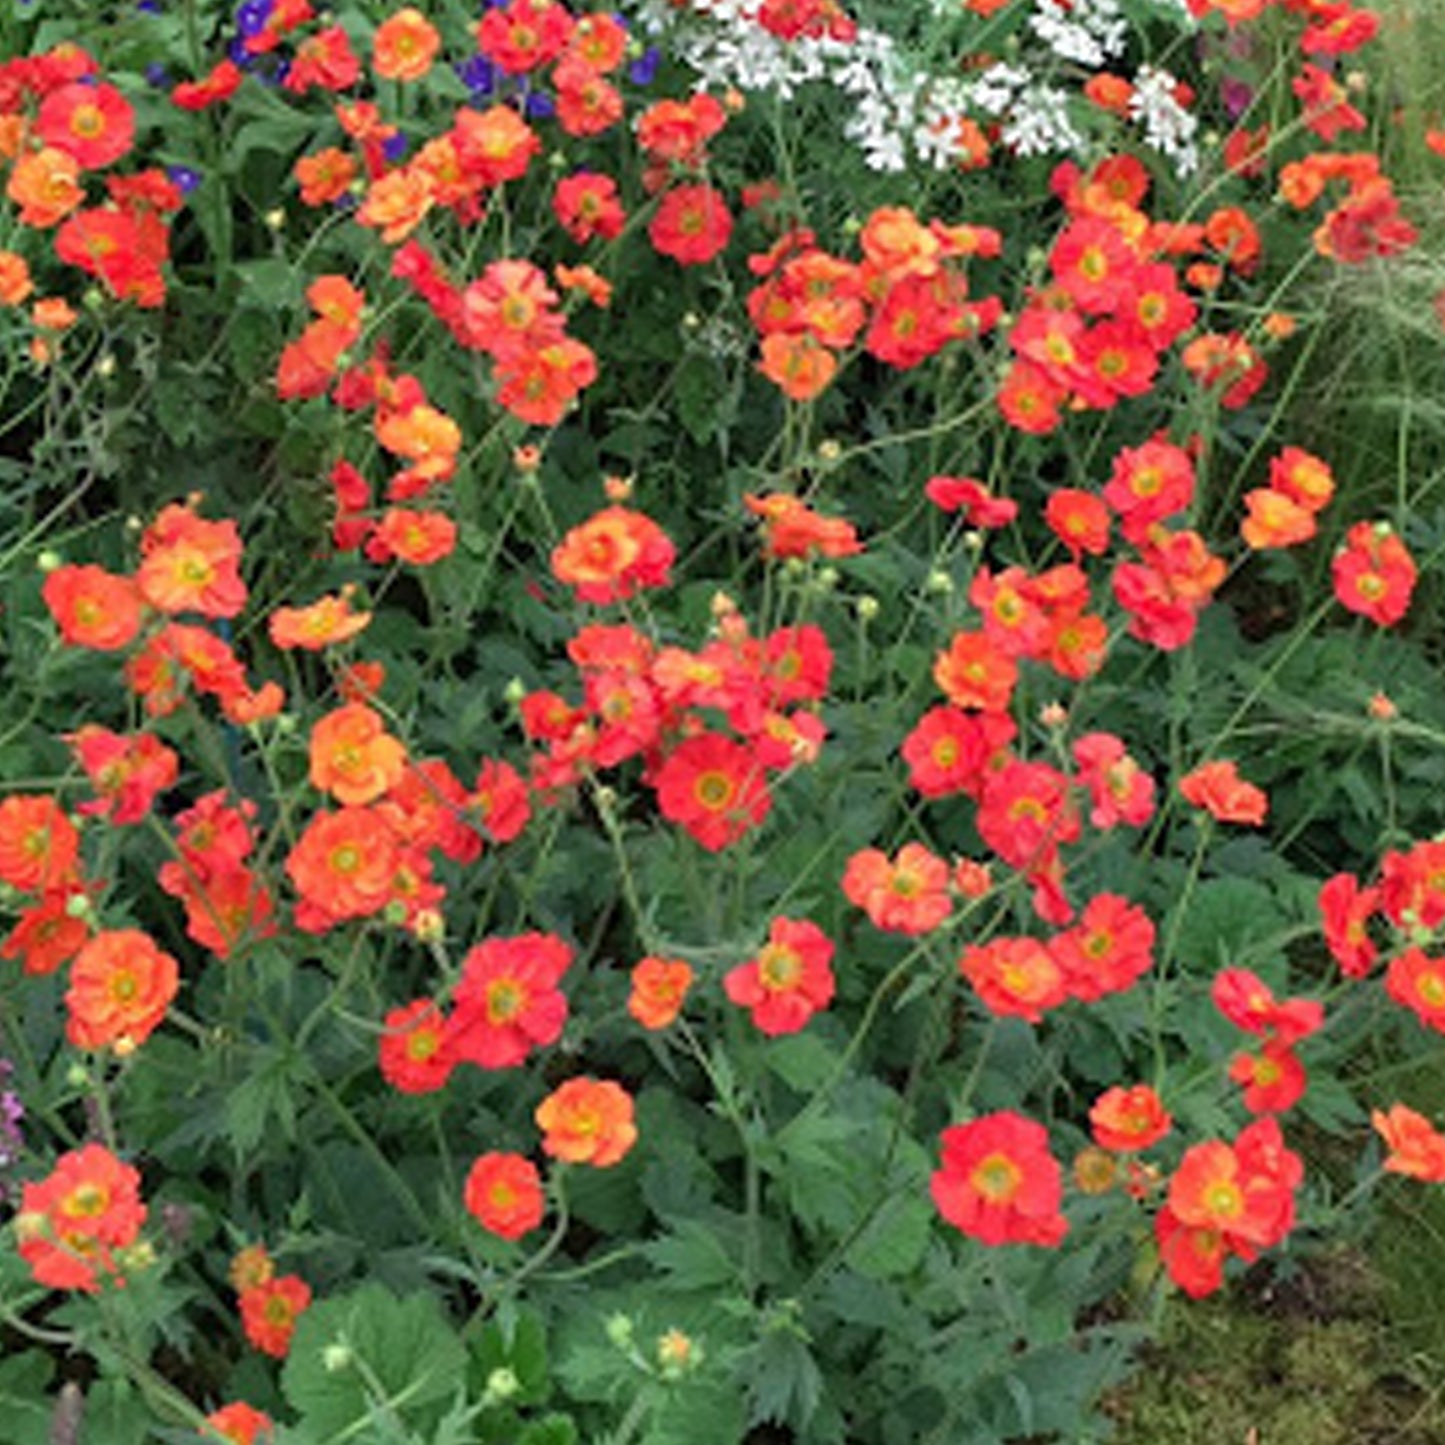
507, 1002
909, 895
789, 980
998, 1182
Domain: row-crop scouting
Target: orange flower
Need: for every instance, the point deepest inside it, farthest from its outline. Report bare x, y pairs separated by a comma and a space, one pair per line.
797, 365
1125, 1120
241, 1424
121, 984
1224, 795
92, 607
1015, 976
539, 385
659, 986
975, 673
419, 538
344, 863
38, 843
429, 439
353, 757
596, 288
1416, 1146
503, 1193
909, 896
269, 1312
496, 144
191, 565
791, 528
587, 1121
15, 282
326, 621
1274, 520
613, 555
397, 203
325, 176
70, 1222
404, 46
45, 184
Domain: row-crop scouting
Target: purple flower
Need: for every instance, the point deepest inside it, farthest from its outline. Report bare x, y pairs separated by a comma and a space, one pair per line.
184, 178
644, 68
478, 75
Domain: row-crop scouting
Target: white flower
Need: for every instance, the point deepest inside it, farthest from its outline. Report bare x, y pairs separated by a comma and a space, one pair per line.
1168, 127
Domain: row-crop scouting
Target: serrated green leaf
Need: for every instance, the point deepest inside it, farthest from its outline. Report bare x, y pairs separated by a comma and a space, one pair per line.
784, 1383
692, 1257
550, 1430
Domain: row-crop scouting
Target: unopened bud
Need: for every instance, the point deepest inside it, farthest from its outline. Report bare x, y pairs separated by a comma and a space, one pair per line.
336, 1357
502, 1385
868, 608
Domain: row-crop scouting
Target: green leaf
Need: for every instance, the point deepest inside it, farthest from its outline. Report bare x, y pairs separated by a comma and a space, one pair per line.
803, 1061
692, 1257
549, 1430
370, 1356
895, 1240
522, 1349
23, 1404
784, 1383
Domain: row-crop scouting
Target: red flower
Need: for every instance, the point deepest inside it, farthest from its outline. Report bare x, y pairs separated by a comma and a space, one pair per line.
1273, 1079
1345, 909
1249, 1004
950, 751
999, 1183
1107, 950
1418, 982
92, 122
789, 981
586, 205
507, 1002
713, 788
414, 1053
1374, 573
503, 1193
692, 225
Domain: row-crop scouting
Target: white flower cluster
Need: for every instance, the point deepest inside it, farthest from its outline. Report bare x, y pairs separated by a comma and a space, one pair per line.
1167, 126
1088, 32
897, 114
